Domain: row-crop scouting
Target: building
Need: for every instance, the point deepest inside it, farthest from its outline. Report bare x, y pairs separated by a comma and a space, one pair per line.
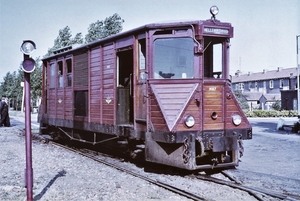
264, 88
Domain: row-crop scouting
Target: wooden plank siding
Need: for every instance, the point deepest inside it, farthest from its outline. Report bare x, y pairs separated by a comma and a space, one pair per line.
93, 70
68, 101
212, 101
80, 69
52, 103
108, 85
156, 116
95, 84
232, 108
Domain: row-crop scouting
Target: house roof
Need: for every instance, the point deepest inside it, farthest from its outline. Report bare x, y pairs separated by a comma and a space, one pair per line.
255, 96
252, 96
264, 75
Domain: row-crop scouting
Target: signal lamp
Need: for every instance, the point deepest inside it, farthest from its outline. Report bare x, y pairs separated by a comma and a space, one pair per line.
28, 47
28, 65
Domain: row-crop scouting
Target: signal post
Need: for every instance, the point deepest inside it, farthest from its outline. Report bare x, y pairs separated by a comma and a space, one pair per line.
28, 67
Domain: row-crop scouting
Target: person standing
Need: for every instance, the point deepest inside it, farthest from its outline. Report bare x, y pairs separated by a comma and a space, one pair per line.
0, 110
4, 113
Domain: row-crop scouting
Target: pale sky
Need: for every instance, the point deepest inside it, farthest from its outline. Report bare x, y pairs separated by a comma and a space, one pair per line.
264, 30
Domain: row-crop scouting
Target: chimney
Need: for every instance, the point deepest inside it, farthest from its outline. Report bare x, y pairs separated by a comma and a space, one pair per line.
279, 69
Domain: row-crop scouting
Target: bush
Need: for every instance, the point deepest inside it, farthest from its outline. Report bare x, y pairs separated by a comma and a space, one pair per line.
271, 113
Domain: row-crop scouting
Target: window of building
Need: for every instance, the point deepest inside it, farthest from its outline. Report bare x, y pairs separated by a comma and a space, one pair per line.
281, 83
256, 85
241, 86
237, 86
271, 84
69, 72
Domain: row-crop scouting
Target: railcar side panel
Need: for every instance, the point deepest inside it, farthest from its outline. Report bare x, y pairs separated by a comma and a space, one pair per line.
68, 104
60, 96
108, 94
81, 69
95, 85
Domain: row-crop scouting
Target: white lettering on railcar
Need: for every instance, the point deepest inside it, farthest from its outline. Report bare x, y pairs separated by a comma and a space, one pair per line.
219, 31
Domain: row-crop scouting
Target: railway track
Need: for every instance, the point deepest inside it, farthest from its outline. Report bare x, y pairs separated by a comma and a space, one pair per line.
257, 193
252, 178
251, 190
152, 181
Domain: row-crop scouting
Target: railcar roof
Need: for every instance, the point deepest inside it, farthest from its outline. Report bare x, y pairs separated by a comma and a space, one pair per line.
150, 26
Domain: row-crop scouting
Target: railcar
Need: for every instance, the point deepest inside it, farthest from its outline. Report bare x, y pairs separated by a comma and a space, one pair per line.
162, 90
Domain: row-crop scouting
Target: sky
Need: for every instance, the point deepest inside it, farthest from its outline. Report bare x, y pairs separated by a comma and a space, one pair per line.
264, 30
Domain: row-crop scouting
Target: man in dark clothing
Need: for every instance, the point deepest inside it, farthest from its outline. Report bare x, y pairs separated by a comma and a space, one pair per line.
4, 113
0, 110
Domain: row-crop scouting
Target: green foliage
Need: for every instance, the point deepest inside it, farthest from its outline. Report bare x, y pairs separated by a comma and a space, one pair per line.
36, 80
241, 99
97, 30
277, 105
271, 113
65, 39
11, 87
101, 29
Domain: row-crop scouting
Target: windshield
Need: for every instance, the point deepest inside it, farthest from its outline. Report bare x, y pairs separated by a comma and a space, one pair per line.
174, 58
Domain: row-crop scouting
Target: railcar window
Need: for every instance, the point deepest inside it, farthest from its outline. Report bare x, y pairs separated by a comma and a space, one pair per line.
60, 74
213, 57
174, 58
52, 75
142, 59
69, 72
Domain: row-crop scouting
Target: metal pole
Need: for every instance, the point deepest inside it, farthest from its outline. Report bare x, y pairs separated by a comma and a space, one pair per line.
28, 144
298, 83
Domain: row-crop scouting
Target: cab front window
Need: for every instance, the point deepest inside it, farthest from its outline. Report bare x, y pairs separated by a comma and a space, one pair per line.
173, 58
213, 57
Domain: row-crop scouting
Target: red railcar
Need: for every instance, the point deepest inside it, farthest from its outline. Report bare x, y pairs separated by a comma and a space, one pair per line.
163, 89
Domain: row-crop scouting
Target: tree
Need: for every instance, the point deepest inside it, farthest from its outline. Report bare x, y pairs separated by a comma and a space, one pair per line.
101, 29
11, 87
36, 80
65, 39
241, 99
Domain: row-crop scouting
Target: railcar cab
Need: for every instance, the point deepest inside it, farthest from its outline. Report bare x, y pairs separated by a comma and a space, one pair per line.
190, 103
197, 51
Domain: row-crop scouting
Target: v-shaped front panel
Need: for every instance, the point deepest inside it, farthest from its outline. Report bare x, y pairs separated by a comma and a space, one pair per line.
172, 99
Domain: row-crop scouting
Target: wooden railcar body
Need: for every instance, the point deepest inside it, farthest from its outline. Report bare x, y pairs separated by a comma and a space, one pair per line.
155, 85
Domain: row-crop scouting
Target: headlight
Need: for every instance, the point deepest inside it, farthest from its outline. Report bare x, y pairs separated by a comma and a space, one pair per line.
236, 119
189, 121
214, 10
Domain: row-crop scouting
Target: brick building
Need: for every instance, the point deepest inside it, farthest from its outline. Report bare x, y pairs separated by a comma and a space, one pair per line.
264, 88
